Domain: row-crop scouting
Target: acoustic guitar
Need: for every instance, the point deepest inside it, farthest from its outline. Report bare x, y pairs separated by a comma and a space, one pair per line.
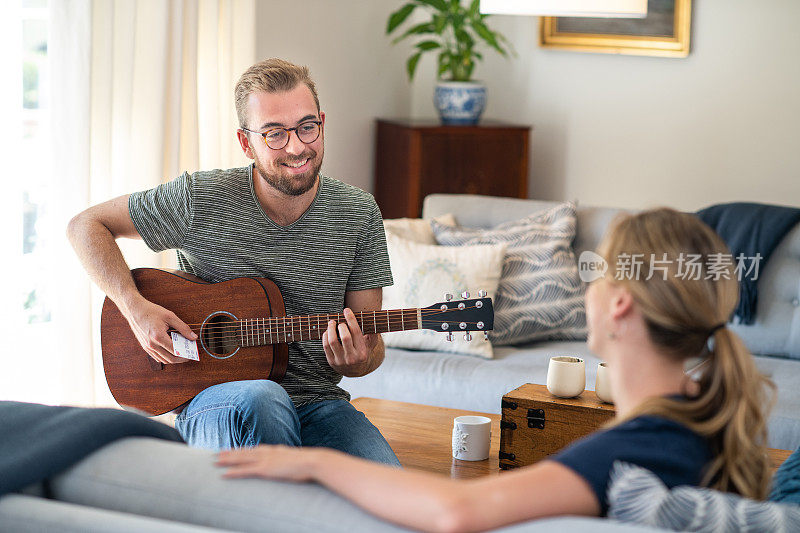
243, 333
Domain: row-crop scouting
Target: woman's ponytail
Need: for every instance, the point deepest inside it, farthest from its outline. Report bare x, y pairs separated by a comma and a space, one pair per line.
728, 410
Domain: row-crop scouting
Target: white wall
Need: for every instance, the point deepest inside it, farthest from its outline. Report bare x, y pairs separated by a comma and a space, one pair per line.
720, 125
359, 75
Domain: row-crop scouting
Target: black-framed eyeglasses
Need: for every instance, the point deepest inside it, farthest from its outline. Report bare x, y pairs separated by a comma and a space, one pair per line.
278, 138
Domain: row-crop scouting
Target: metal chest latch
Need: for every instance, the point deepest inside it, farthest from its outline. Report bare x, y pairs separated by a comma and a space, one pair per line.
536, 418
504, 424
504, 456
505, 404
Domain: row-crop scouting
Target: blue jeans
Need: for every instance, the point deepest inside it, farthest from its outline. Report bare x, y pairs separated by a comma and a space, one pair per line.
248, 413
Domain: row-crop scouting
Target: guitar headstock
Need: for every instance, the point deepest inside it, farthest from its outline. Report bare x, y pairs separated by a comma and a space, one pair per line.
459, 316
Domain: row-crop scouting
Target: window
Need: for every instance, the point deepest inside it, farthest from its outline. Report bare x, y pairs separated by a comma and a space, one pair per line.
27, 230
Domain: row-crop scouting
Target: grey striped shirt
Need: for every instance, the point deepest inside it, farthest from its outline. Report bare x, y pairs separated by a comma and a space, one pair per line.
215, 223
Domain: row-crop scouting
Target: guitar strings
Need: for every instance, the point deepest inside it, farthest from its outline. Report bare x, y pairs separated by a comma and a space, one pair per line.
239, 331
237, 338
261, 331
242, 328
379, 316
390, 313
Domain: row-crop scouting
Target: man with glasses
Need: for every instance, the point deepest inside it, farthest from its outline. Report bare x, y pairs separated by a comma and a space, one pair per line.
320, 240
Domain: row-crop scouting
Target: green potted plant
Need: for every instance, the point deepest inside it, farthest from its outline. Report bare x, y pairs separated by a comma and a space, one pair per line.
452, 32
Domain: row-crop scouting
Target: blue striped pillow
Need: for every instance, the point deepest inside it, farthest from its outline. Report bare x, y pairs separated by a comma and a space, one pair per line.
540, 295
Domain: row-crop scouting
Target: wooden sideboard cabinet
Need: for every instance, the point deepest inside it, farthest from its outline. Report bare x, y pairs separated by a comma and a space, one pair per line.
414, 158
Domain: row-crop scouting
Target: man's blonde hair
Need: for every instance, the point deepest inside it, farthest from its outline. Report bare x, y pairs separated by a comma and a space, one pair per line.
271, 75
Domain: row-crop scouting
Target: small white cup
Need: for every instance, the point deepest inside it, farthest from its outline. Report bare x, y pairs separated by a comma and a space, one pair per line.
566, 376
602, 385
471, 437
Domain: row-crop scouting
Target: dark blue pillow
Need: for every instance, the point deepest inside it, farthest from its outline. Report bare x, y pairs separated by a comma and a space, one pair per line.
786, 481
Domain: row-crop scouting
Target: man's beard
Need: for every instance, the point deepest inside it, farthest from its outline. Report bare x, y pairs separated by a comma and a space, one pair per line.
292, 185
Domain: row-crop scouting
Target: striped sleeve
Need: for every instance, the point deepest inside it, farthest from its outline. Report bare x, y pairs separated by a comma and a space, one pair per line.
163, 214
371, 267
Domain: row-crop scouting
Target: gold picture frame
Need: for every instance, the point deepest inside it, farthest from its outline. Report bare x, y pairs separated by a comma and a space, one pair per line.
659, 34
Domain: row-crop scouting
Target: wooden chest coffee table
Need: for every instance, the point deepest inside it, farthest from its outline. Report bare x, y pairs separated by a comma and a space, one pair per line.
420, 436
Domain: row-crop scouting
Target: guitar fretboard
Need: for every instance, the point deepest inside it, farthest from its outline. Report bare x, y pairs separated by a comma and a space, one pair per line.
274, 330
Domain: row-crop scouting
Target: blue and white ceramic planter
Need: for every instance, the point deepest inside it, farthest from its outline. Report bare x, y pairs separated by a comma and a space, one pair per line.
460, 102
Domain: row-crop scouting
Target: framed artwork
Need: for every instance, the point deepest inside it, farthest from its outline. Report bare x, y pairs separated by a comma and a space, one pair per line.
664, 32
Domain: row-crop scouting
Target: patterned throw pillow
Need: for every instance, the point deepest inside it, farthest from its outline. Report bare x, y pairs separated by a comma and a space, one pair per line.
637, 495
423, 273
540, 295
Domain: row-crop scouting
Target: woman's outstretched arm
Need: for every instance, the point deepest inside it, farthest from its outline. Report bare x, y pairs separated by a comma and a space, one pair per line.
422, 500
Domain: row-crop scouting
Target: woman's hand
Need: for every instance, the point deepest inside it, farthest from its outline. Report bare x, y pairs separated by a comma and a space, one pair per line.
271, 462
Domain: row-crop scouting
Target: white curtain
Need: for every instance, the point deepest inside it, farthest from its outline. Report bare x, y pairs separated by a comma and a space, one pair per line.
143, 90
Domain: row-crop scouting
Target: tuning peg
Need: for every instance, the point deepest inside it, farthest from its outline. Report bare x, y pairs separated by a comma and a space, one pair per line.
449, 336
448, 296
465, 295
481, 293
467, 336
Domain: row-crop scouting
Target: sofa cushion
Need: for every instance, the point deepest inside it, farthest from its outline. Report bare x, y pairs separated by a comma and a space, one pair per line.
422, 273
540, 295
776, 331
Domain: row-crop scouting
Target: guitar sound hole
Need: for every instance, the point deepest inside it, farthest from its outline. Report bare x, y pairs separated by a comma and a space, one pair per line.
220, 335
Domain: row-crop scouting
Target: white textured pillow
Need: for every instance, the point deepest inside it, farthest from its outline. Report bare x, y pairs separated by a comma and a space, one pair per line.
423, 273
416, 229
540, 295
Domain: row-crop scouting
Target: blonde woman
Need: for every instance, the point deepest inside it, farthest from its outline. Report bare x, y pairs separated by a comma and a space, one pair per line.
649, 328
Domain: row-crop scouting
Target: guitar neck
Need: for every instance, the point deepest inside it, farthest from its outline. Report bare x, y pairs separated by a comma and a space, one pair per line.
274, 330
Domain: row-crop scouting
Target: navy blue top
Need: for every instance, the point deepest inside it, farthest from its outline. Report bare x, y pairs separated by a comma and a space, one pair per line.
670, 450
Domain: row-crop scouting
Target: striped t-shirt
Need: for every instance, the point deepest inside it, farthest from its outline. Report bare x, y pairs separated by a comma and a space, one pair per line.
215, 223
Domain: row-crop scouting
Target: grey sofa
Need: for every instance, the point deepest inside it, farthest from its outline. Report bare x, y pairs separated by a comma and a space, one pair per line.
474, 383
148, 485
140, 484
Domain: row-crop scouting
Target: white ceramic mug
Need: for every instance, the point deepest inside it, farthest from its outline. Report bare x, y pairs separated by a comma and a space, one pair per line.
471, 437
602, 385
566, 376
